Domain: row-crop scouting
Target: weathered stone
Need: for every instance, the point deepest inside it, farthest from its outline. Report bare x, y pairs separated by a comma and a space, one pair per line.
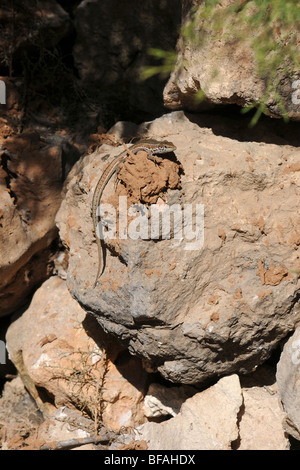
261, 419
288, 379
196, 312
224, 70
207, 421
19, 415
55, 348
254, 423
32, 170
64, 425
163, 401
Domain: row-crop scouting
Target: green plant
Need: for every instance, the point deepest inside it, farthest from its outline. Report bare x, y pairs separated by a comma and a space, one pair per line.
168, 59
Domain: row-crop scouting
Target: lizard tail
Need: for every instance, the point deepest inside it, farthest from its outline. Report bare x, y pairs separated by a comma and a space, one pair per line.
97, 277
101, 260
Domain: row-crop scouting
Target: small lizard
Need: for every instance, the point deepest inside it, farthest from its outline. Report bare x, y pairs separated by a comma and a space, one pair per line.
150, 146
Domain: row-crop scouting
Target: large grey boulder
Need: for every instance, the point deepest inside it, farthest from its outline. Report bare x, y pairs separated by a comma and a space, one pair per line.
195, 311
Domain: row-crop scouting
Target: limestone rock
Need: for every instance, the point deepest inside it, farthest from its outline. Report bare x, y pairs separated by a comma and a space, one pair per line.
55, 348
163, 401
261, 421
64, 425
224, 70
204, 310
288, 371
32, 170
19, 415
207, 421
224, 416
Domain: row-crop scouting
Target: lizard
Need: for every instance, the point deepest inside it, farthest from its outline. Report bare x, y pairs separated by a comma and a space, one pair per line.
150, 146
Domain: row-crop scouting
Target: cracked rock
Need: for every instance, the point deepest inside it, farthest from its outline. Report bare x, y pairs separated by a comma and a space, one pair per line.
195, 311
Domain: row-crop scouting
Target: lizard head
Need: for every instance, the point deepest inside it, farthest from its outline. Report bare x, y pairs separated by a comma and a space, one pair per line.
160, 146
164, 147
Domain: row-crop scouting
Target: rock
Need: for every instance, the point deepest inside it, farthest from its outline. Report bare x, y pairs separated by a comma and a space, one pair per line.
224, 70
70, 430
288, 371
56, 350
64, 425
207, 421
162, 401
110, 62
19, 415
31, 174
261, 421
196, 312
224, 416
30, 24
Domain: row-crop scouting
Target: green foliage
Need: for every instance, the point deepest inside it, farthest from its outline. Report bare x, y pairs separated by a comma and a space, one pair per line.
270, 28
168, 59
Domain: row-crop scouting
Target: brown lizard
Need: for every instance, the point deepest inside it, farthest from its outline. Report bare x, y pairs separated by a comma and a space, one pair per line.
150, 146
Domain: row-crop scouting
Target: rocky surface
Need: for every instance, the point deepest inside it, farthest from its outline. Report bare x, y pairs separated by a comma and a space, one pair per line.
111, 49
177, 346
32, 169
261, 422
287, 376
224, 416
161, 401
213, 414
56, 349
28, 25
19, 415
222, 306
224, 70
59, 357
